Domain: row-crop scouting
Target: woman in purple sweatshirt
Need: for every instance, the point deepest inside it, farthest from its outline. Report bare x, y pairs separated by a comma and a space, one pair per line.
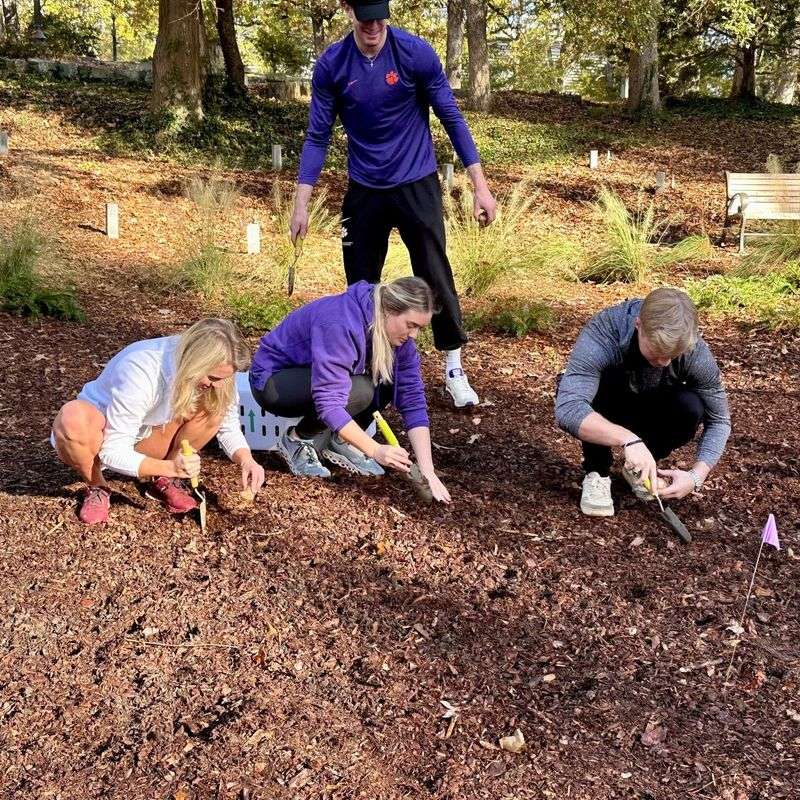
336, 360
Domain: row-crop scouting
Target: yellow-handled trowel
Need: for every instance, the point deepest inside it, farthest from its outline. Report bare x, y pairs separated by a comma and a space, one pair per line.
186, 450
421, 485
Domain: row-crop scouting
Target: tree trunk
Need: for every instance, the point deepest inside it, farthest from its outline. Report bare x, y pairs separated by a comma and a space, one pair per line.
480, 92
234, 66
455, 42
318, 33
179, 60
784, 84
743, 88
10, 17
643, 92
113, 37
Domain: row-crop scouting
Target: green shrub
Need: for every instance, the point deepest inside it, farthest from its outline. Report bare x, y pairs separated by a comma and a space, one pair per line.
513, 318
258, 314
771, 299
22, 290
482, 256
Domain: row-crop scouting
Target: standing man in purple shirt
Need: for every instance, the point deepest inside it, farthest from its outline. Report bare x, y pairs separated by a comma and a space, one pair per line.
381, 82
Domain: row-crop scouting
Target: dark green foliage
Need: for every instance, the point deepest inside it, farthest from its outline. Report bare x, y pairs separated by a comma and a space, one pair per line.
22, 290
258, 314
512, 317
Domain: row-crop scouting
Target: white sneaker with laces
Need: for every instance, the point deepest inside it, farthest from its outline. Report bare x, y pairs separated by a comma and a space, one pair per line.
458, 388
596, 498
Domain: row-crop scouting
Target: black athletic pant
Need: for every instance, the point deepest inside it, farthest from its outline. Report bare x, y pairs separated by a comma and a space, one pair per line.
415, 209
664, 418
288, 394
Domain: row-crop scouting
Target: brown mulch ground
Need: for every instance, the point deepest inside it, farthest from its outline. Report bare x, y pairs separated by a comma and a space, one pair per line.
337, 640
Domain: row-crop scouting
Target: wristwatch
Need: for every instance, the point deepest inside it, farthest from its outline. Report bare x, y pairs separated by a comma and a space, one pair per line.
696, 478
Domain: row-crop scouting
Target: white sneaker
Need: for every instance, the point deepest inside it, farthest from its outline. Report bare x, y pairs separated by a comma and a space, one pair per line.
596, 497
458, 388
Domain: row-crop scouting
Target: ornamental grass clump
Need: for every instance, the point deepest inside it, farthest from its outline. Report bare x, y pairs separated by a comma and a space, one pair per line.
482, 256
209, 269
631, 249
23, 290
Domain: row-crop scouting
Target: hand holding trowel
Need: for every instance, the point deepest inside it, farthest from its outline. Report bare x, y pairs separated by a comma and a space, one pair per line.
419, 481
187, 450
669, 516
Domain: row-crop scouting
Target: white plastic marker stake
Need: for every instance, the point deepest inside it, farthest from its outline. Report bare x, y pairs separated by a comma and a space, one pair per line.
768, 536
112, 220
187, 450
594, 159
253, 238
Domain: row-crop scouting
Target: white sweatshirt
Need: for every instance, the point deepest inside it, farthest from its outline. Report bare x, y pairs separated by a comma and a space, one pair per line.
133, 392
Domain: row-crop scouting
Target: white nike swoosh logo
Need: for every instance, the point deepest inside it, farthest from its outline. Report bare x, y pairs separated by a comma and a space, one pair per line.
352, 82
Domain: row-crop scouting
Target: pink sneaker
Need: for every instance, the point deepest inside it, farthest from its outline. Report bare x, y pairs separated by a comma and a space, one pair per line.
95, 506
172, 492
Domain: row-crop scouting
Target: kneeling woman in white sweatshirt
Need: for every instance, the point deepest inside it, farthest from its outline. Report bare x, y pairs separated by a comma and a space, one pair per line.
148, 398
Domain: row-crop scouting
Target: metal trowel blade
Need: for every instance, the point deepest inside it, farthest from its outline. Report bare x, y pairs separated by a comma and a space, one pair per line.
672, 519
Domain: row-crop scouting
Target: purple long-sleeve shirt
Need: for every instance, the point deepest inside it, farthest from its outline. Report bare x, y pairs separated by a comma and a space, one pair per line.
384, 108
332, 335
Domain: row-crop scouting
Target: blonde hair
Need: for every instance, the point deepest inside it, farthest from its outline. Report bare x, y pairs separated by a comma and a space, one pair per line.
397, 297
207, 344
668, 318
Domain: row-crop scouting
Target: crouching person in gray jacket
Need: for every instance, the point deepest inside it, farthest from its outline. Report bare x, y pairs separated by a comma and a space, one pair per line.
640, 378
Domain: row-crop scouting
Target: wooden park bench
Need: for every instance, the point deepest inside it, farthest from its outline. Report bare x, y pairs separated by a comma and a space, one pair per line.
761, 195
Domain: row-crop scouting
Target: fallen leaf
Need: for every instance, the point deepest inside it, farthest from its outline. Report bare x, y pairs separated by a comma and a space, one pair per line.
495, 769
653, 735
514, 743
301, 779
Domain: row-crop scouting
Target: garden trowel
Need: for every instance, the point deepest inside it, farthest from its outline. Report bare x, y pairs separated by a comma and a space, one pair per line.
186, 449
421, 485
298, 251
671, 518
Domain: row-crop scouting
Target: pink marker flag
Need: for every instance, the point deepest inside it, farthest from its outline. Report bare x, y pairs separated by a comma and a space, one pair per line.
770, 534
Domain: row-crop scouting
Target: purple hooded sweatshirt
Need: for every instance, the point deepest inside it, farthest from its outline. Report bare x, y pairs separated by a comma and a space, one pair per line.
332, 336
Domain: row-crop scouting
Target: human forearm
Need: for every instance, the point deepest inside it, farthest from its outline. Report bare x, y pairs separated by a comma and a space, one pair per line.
353, 434
596, 429
478, 178
158, 468
420, 439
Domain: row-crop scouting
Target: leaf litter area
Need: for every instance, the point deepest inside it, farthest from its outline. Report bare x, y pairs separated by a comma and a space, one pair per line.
336, 639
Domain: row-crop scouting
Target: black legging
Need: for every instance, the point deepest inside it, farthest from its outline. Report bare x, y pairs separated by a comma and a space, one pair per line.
664, 418
288, 394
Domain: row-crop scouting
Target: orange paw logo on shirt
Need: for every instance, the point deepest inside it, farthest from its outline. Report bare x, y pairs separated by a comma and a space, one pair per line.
392, 77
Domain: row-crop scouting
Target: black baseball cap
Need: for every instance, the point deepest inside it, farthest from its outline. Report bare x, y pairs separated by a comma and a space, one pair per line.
367, 10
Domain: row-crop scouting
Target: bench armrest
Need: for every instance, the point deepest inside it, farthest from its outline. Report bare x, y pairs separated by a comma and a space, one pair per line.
738, 203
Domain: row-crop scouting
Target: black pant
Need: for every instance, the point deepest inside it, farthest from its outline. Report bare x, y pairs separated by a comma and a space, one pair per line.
664, 418
415, 209
288, 394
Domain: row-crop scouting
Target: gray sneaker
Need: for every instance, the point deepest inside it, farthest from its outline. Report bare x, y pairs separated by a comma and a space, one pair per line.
301, 457
350, 458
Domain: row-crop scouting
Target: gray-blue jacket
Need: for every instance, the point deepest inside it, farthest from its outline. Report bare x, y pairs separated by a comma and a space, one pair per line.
603, 344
